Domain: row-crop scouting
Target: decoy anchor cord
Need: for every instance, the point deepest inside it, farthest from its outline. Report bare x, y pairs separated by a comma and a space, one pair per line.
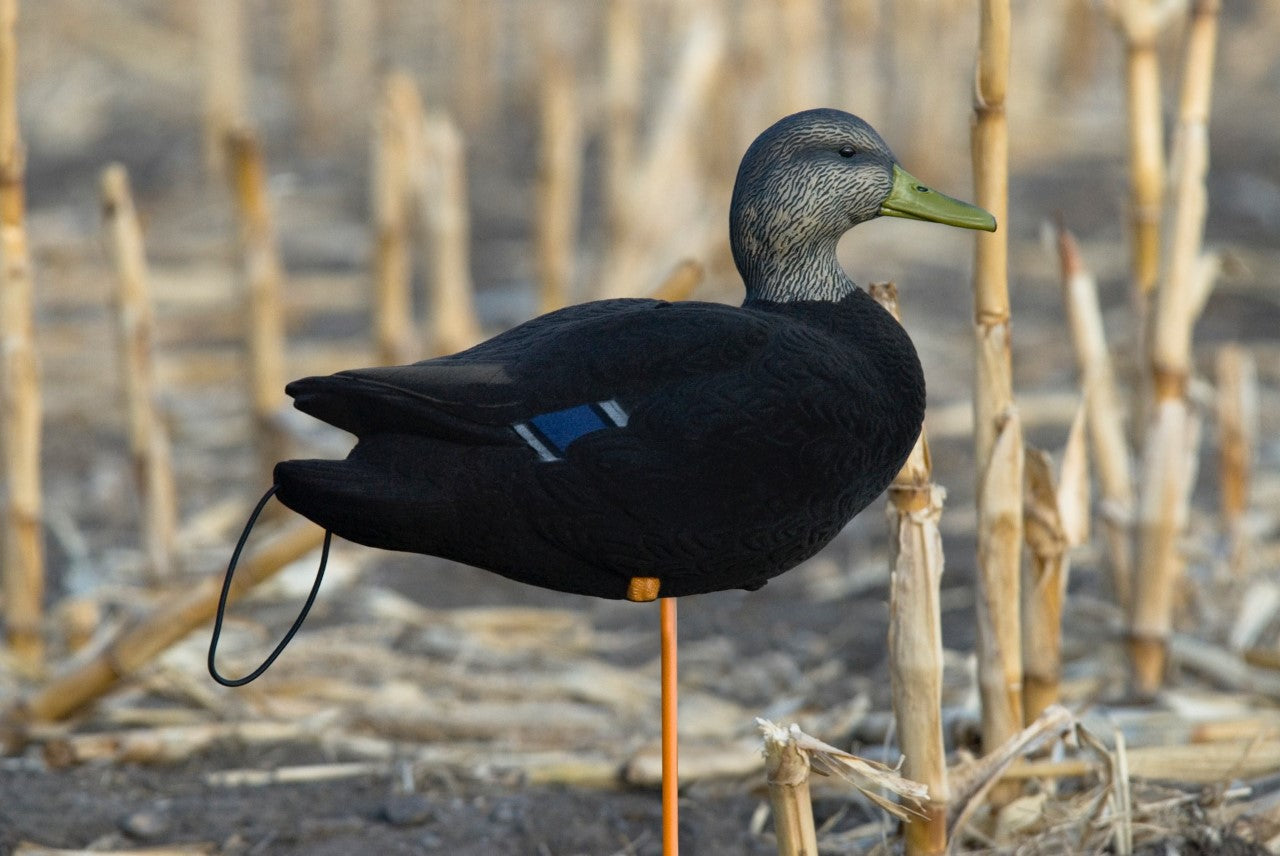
226, 589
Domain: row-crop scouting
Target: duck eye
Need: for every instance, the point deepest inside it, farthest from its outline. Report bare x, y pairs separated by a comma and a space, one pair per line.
848, 152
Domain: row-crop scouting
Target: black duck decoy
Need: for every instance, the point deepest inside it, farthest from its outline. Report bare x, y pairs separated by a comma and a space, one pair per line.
637, 448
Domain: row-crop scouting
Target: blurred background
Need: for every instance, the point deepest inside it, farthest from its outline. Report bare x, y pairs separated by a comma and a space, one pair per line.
153, 84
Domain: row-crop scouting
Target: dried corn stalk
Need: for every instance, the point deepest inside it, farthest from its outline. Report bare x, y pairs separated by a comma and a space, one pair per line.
396, 143
444, 216
1056, 519
870, 778
997, 428
148, 437
1168, 474
354, 62
915, 630
20, 405
661, 186
1169, 459
622, 79
304, 49
681, 282
263, 276
999, 595
478, 25
559, 181
1139, 23
1111, 458
786, 771
803, 36
1237, 407
222, 49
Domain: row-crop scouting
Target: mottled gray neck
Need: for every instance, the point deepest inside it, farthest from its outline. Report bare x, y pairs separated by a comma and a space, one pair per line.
801, 272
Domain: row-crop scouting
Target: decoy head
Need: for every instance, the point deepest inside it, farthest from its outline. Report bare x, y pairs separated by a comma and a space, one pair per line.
806, 181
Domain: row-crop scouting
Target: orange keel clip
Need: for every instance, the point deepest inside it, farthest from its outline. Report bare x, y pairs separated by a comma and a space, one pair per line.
643, 589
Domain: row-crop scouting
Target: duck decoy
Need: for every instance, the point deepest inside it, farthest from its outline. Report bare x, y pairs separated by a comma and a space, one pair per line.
691, 446
635, 448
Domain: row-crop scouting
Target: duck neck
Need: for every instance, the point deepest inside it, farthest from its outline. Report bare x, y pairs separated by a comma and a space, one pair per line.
808, 272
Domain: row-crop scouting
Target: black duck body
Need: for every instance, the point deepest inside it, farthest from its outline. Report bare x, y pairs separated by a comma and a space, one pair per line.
752, 435
705, 445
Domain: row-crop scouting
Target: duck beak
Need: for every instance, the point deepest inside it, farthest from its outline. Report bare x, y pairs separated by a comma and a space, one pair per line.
913, 200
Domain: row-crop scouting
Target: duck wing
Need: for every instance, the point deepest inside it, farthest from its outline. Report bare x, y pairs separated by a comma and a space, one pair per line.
576, 357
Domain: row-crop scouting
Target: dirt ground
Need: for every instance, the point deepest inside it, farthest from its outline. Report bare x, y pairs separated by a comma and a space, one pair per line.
117, 807
456, 644
785, 637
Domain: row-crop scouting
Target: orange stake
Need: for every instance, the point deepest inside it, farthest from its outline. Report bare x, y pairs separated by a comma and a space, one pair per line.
670, 745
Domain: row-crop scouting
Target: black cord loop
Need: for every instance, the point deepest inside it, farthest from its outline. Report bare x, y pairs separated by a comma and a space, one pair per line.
226, 589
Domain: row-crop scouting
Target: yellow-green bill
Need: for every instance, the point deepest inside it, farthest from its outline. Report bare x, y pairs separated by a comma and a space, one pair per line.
913, 200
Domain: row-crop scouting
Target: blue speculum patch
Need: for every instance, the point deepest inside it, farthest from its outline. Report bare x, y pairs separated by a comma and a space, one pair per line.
549, 434
562, 427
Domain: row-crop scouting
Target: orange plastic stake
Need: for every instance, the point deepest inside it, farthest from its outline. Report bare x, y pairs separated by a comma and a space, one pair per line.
670, 744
